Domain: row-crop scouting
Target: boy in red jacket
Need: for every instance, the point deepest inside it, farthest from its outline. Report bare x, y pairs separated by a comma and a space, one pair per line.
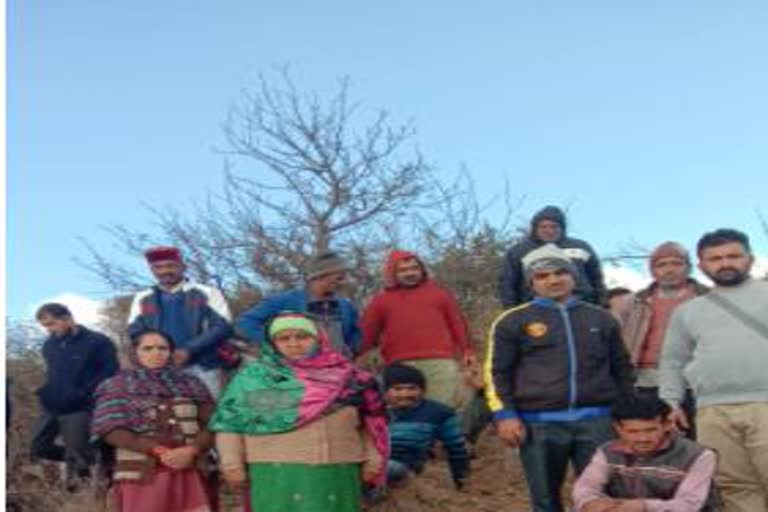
417, 322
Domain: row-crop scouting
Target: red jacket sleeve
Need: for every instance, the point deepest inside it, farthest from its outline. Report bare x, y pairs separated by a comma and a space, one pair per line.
371, 324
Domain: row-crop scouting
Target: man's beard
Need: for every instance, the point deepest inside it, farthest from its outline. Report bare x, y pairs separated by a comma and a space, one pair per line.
729, 277
170, 280
411, 282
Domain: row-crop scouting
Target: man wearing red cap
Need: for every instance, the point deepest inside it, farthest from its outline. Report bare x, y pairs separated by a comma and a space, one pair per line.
417, 322
195, 316
644, 315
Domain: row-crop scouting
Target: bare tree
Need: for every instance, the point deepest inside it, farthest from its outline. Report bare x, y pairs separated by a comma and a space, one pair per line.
465, 244
302, 175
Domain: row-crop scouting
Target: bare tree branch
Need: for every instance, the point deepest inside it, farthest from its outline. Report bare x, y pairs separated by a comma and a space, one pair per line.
301, 174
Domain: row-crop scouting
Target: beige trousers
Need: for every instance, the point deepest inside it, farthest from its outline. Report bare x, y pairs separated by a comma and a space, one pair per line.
443, 379
739, 435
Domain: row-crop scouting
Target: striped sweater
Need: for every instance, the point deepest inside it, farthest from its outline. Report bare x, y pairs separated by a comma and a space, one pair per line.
413, 432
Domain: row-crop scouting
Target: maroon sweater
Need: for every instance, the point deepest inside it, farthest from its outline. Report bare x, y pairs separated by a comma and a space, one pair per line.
423, 322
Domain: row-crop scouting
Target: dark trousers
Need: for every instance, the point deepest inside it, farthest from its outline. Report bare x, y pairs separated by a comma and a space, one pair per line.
78, 453
547, 450
475, 417
688, 406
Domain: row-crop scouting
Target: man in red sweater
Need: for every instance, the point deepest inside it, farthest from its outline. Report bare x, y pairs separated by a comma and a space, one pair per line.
417, 322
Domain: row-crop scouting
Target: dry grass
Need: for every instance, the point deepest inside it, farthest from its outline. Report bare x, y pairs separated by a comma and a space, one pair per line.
36, 487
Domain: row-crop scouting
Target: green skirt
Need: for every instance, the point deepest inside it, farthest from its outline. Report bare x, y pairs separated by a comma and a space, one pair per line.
277, 487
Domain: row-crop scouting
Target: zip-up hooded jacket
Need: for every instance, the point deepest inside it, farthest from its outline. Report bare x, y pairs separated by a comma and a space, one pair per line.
513, 286
206, 315
546, 356
419, 322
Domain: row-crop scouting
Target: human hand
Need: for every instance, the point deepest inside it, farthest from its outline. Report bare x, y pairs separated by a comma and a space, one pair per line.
369, 361
469, 360
602, 505
511, 431
678, 419
235, 478
179, 458
181, 357
369, 475
159, 450
629, 506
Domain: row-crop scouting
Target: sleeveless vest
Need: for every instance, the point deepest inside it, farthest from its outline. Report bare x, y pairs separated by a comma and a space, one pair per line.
654, 476
174, 423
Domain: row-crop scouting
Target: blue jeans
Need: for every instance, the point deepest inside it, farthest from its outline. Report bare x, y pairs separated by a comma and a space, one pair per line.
549, 447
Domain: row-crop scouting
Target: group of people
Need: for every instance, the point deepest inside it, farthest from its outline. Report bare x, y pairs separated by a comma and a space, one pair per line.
650, 396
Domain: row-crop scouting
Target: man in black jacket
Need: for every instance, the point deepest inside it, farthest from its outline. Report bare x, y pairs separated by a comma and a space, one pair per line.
548, 226
77, 360
555, 366
194, 315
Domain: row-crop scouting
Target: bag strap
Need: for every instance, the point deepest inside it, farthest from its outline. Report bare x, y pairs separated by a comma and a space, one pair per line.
738, 313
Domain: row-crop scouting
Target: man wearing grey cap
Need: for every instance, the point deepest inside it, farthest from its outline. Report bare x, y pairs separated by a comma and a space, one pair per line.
554, 367
324, 274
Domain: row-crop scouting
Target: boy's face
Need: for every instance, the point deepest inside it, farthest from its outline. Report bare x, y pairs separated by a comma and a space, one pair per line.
642, 436
404, 396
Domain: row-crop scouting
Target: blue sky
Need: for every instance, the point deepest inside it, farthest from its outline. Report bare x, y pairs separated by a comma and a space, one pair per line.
650, 119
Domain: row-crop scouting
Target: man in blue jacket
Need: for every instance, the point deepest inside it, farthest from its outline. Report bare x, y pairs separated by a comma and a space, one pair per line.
77, 360
325, 275
194, 315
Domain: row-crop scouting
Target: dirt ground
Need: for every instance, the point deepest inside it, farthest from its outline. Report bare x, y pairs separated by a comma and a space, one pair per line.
496, 484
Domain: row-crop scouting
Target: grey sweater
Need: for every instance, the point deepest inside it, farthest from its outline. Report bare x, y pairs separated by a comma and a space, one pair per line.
723, 360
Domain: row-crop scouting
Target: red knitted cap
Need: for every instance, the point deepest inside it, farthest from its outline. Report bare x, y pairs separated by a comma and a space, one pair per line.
163, 253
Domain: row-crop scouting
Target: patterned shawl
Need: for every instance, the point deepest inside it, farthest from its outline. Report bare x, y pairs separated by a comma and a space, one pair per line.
121, 401
274, 394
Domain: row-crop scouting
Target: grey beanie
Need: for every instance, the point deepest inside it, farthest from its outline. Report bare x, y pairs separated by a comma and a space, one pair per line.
324, 263
548, 256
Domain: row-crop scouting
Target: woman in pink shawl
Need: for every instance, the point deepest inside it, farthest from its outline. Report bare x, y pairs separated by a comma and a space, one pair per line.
310, 427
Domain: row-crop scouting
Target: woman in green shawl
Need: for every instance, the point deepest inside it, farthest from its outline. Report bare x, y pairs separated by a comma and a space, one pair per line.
309, 426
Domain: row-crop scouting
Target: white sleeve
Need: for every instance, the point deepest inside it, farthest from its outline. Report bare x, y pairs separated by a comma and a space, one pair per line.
136, 306
217, 302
